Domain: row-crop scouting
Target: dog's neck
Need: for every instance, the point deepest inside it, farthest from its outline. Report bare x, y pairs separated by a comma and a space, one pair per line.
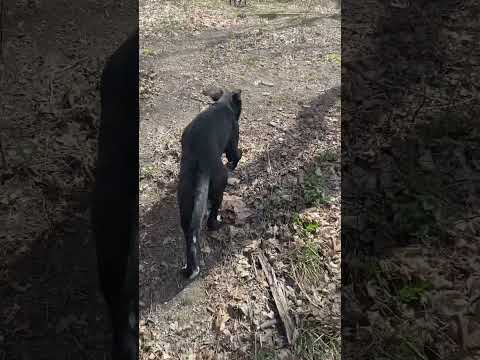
226, 99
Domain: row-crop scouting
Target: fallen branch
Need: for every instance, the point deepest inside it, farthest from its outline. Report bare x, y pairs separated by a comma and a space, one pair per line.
278, 292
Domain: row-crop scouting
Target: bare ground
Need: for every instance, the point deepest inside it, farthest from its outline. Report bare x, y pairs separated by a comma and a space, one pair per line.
288, 67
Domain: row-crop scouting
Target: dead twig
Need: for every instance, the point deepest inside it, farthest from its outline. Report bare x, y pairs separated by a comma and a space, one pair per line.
278, 292
68, 67
269, 164
424, 98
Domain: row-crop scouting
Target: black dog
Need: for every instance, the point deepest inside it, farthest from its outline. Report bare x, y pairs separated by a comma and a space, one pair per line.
203, 176
115, 198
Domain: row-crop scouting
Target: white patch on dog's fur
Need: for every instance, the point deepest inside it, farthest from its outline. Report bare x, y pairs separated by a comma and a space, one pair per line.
195, 273
209, 208
194, 239
219, 218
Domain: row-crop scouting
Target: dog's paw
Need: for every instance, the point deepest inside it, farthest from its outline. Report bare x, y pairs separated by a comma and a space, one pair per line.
231, 166
214, 224
189, 273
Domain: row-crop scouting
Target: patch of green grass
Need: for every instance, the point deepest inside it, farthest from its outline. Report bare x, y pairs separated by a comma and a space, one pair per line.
309, 263
314, 344
147, 172
413, 218
311, 228
296, 219
411, 294
308, 227
315, 190
329, 155
392, 285
334, 58
265, 355
148, 52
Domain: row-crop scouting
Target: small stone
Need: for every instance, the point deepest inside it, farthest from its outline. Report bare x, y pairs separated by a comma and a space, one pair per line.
266, 83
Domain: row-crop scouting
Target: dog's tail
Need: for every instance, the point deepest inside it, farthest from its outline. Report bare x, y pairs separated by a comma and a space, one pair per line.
200, 199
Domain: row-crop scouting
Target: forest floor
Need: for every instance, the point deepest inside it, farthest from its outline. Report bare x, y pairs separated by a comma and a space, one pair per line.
282, 207
270, 281
52, 55
410, 189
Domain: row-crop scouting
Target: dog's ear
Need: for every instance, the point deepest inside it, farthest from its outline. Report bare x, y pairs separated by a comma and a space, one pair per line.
236, 95
213, 93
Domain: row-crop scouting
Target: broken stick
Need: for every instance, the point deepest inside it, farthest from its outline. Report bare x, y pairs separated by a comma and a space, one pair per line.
278, 292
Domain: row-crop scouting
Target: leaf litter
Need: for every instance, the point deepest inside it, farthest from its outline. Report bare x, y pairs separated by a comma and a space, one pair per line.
233, 314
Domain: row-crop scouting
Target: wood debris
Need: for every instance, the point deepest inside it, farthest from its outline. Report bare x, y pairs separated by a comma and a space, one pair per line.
278, 292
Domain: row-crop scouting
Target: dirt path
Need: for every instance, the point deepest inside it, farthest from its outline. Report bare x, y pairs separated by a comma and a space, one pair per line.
288, 69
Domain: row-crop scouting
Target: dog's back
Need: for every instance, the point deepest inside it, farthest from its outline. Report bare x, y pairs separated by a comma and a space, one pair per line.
208, 134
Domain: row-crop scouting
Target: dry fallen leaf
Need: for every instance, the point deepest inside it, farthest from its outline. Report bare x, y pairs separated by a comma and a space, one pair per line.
236, 205
233, 181
205, 354
174, 326
243, 267
252, 246
221, 318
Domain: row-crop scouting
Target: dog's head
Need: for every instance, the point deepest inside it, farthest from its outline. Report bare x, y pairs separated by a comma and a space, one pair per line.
231, 98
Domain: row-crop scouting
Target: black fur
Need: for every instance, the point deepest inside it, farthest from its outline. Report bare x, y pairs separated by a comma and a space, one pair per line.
203, 176
115, 198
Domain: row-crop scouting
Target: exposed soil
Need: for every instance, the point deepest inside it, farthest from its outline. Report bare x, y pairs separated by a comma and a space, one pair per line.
286, 59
